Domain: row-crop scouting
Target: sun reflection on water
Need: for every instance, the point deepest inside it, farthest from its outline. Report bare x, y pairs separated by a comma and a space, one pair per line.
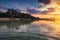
52, 28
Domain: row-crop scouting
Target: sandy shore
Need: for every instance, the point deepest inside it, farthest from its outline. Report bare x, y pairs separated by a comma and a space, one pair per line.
8, 19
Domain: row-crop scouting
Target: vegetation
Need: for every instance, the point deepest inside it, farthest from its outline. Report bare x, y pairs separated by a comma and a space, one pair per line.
11, 13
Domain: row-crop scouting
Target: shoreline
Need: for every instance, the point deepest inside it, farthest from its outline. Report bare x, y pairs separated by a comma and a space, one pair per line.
17, 19
14, 19
9, 19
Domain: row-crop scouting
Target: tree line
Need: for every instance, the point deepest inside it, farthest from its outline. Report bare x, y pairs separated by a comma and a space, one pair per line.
11, 13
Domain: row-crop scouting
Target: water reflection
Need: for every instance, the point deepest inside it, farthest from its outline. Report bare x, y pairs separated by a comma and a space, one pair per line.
12, 25
48, 29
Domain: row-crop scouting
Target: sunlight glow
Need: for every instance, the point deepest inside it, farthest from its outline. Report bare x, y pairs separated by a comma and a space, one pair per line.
56, 12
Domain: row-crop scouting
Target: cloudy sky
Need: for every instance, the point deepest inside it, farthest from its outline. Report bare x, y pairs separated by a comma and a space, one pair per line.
19, 3
31, 6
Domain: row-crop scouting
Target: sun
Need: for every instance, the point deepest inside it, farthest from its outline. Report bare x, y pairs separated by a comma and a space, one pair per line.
56, 12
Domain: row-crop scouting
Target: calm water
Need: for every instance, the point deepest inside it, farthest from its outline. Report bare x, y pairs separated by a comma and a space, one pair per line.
29, 30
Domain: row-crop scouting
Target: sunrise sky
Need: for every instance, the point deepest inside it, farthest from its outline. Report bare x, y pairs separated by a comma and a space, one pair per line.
29, 6
17, 4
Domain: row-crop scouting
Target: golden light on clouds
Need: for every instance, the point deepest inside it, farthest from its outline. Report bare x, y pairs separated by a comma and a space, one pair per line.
56, 12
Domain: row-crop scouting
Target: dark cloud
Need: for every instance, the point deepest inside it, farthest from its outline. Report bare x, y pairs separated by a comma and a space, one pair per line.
44, 1
32, 10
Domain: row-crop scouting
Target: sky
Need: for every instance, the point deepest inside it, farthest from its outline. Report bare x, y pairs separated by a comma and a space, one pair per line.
23, 5
31, 6
19, 3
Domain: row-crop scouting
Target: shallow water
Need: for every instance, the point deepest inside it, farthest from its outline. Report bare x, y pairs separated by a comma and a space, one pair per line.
29, 30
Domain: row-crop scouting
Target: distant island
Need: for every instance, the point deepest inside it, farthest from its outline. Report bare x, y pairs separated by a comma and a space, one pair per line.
11, 13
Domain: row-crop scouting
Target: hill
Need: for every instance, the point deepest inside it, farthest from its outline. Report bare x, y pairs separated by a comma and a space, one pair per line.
11, 13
